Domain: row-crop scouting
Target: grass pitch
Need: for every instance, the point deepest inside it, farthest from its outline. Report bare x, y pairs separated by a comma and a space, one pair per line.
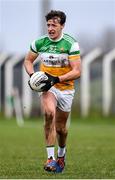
90, 150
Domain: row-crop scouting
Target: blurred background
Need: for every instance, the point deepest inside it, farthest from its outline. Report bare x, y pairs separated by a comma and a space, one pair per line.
92, 23
91, 140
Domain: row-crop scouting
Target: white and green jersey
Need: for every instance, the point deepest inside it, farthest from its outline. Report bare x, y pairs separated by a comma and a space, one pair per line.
55, 56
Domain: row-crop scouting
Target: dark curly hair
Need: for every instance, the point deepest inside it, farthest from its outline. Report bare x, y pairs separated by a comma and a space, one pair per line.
54, 14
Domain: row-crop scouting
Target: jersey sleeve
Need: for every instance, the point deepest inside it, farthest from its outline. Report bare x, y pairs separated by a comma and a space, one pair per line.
74, 52
33, 46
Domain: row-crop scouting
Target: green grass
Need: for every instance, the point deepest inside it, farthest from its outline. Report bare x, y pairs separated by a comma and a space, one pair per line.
90, 150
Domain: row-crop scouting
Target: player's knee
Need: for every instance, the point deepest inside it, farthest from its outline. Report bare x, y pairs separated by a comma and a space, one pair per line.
49, 114
61, 130
49, 119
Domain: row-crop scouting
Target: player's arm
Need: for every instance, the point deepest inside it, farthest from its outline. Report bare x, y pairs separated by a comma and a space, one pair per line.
28, 62
74, 73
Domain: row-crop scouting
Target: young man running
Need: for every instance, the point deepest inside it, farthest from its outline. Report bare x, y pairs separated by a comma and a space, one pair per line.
59, 54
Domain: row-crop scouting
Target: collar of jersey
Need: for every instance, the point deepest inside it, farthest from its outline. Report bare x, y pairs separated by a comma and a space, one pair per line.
56, 39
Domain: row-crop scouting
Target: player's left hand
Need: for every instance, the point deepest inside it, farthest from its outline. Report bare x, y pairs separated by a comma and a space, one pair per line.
50, 82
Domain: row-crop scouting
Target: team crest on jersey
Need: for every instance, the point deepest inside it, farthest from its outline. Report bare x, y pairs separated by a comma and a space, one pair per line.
62, 49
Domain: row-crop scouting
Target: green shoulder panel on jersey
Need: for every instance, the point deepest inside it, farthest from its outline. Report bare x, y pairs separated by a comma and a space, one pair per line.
74, 47
69, 38
37, 44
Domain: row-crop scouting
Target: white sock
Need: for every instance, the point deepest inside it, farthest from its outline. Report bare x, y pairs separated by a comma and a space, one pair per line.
61, 151
50, 151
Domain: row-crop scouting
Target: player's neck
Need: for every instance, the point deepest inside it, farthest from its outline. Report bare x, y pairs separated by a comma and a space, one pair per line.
58, 38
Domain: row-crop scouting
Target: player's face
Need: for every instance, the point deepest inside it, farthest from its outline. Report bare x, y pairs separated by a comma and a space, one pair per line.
54, 28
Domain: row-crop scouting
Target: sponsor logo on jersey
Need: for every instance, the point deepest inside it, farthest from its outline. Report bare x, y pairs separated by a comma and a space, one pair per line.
54, 60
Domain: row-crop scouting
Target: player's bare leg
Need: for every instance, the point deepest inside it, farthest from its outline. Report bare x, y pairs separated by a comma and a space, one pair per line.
49, 109
61, 129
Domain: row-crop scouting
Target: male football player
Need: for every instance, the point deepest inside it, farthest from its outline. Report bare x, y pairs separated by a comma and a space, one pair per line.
59, 54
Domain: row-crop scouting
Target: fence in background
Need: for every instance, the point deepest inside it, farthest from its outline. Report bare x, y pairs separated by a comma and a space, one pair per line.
96, 90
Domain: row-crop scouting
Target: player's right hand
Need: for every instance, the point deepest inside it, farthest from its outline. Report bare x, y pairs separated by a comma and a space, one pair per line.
50, 82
